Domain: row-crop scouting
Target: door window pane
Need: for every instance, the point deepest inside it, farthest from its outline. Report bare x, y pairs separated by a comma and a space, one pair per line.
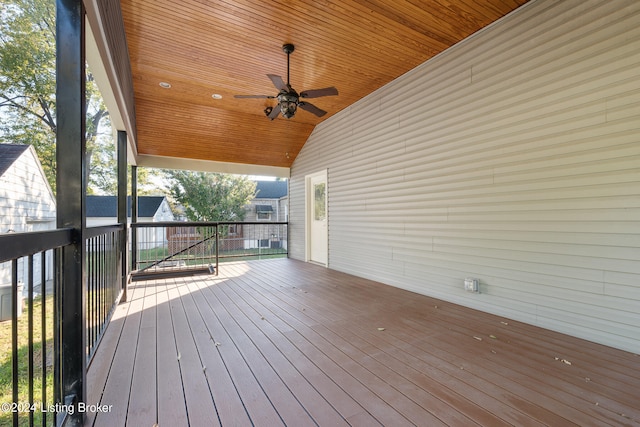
319, 205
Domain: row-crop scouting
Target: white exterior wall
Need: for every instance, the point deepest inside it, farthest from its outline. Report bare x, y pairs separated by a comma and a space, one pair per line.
26, 200
155, 237
513, 158
163, 213
26, 204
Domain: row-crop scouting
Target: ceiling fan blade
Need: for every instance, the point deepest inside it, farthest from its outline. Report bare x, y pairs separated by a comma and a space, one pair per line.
277, 82
274, 113
312, 109
317, 93
253, 96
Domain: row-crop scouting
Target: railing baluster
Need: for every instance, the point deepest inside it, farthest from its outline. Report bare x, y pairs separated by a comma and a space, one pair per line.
108, 278
30, 367
43, 332
107, 275
100, 282
217, 243
57, 306
14, 335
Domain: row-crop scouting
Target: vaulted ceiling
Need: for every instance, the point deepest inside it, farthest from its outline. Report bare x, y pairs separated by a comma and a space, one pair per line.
224, 48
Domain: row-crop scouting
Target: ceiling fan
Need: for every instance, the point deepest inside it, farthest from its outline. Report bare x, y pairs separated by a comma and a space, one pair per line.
288, 98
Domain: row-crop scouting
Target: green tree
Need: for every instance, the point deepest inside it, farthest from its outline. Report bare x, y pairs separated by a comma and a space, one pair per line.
211, 196
28, 88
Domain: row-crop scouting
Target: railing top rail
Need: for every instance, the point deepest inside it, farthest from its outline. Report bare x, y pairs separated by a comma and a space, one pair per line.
17, 245
203, 223
102, 229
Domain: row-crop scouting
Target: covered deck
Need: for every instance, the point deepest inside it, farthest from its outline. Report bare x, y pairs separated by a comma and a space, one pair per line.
282, 342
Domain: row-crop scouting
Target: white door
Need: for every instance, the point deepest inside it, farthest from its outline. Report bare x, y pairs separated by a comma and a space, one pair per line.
317, 233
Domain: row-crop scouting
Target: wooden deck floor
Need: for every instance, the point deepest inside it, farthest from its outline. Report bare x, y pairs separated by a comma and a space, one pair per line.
282, 342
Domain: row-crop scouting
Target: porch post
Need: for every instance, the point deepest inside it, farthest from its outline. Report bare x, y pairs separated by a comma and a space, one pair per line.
71, 191
134, 217
122, 210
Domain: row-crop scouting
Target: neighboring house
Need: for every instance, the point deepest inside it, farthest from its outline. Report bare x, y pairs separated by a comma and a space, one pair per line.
271, 202
27, 204
103, 210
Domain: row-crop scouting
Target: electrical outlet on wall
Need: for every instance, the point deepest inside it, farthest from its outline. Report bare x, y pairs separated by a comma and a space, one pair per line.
471, 285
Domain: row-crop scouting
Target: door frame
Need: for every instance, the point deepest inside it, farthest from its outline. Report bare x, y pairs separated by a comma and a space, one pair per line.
308, 196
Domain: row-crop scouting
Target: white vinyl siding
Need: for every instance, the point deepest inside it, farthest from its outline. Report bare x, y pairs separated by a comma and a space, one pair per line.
26, 204
26, 200
514, 158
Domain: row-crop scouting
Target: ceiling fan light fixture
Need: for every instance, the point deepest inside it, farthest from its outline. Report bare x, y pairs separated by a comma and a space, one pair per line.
288, 109
288, 103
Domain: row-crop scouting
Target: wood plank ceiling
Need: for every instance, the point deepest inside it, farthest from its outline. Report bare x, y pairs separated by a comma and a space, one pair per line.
227, 47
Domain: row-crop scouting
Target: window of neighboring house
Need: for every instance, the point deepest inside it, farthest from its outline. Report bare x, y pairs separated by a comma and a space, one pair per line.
264, 215
263, 212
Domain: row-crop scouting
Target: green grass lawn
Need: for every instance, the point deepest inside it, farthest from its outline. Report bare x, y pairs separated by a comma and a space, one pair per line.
6, 371
251, 254
150, 256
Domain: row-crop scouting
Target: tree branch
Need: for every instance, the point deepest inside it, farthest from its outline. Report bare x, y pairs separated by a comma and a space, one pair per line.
47, 117
9, 102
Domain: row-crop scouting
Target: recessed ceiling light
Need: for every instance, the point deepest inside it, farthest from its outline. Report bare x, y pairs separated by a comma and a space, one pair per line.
165, 85
216, 96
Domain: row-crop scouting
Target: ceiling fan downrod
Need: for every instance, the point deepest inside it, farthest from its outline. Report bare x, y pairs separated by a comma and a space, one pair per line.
288, 49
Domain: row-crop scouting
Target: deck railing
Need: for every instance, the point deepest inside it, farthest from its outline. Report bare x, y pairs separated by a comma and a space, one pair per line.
184, 248
31, 307
32, 304
104, 280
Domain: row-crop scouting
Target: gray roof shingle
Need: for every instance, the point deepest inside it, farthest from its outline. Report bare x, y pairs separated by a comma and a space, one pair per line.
9, 153
107, 206
271, 189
